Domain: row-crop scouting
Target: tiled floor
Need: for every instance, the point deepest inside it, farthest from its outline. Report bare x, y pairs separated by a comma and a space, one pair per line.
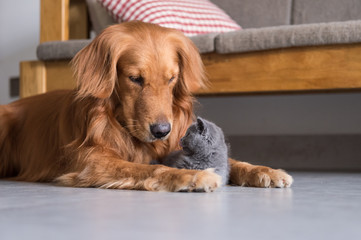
318, 206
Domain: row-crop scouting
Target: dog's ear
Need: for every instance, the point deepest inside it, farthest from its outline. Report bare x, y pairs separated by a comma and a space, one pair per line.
95, 66
191, 66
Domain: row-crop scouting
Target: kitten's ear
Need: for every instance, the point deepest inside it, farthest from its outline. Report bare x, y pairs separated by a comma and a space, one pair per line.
201, 125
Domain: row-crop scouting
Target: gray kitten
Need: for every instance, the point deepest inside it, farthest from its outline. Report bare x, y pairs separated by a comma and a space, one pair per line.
204, 147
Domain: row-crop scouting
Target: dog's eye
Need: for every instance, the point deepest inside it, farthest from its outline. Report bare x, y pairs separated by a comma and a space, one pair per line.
171, 80
138, 80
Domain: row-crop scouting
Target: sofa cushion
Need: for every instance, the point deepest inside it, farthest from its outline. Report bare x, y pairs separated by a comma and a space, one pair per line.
98, 15
317, 11
289, 36
205, 42
240, 41
59, 50
260, 13
192, 17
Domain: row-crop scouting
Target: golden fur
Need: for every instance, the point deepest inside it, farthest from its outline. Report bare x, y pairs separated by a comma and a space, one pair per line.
98, 135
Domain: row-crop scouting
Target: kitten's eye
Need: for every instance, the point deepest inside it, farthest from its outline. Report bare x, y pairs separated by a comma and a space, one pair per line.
138, 80
171, 80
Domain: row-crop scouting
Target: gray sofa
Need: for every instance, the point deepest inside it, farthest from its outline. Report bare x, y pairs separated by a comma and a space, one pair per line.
284, 46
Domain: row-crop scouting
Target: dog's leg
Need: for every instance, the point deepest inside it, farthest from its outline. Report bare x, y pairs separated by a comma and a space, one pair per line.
119, 174
245, 174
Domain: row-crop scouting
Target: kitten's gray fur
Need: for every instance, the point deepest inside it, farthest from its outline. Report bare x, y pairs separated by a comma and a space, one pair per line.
204, 147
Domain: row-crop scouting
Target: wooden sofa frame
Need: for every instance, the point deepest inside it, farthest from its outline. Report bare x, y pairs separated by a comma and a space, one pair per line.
303, 69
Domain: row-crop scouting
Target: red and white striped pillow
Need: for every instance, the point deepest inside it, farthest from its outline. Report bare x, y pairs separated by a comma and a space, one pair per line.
192, 17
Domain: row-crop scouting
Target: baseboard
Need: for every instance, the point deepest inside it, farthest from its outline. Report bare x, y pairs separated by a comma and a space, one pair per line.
300, 152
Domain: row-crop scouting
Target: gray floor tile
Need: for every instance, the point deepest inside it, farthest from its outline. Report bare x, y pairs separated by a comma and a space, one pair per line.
318, 206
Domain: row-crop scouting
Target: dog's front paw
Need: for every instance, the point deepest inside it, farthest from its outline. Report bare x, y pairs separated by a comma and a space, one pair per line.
205, 181
184, 180
268, 177
244, 174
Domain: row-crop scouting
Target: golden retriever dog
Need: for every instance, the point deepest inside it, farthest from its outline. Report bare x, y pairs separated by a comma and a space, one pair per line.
132, 104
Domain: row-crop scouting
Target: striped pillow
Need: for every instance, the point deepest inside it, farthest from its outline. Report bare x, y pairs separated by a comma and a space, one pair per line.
192, 17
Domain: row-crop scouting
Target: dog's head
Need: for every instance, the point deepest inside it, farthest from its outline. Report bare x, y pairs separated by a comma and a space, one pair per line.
146, 70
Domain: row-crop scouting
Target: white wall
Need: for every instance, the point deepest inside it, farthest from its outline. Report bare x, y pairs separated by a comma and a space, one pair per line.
19, 36
247, 115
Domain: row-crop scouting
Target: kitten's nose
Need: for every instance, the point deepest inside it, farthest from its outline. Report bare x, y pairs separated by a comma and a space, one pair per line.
160, 130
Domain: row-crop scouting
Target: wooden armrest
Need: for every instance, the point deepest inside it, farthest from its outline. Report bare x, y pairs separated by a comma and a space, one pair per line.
61, 20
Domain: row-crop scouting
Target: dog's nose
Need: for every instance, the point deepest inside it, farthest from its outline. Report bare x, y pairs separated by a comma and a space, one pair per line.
160, 130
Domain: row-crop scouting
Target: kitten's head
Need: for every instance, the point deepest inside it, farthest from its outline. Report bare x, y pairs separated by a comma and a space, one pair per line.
202, 137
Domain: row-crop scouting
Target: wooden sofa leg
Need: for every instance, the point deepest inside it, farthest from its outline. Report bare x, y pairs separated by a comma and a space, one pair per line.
32, 78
